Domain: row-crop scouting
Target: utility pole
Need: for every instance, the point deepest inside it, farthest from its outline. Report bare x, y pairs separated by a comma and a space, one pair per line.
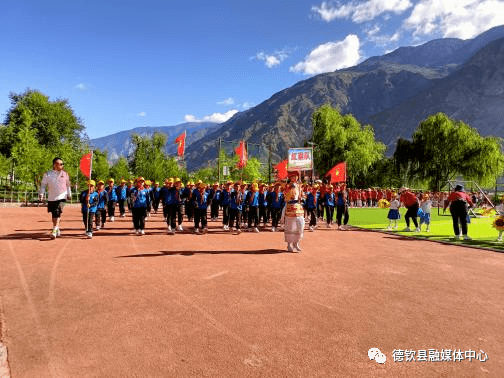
269, 165
218, 162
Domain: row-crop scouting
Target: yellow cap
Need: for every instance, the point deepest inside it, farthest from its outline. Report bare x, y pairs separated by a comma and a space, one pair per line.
100, 182
91, 182
177, 179
147, 182
170, 180
110, 180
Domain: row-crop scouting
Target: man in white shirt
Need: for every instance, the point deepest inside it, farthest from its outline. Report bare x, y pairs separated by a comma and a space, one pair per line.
57, 182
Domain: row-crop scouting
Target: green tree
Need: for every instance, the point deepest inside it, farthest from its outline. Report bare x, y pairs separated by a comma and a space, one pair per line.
342, 138
101, 166
120, 169
5, 165
444, 149
29, 157
149, 160
53, 122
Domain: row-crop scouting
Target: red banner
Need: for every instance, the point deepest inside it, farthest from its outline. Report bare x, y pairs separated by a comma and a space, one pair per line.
241, 151
337, 173
181, 144
86, 163
281, 169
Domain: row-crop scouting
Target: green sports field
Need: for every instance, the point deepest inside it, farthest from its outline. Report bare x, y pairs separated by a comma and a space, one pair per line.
480, 229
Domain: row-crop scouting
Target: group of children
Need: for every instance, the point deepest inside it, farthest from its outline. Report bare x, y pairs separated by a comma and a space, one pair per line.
242, 205
423, 212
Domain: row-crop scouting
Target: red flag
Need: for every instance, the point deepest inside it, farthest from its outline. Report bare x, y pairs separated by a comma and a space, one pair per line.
337, 173
86, 163
282, 169
241, 151
181, 144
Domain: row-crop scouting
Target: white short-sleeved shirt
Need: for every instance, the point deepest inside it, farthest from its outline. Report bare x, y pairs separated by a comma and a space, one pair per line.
426, 206
394, 204
58, 185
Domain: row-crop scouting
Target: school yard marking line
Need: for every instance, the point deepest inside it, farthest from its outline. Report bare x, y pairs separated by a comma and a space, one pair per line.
216, 275
52, 278
54, 372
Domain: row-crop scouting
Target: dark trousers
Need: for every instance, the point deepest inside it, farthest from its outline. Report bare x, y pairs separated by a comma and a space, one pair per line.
412, 213
320, 210
313, 216
329, 213
178, 210
189, 211
122, 211
200, 215
244, 215
275, 216
138, 214
253, 216
459, 215
225, 214
342, 210
234, 215
170, 211
214, 210
263, 215
101, 217
111, 208
155, 205
87, 219
268, 214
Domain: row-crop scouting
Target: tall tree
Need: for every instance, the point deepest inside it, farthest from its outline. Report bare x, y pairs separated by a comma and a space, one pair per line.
53, 122
445, 149
120, 169
342, 138
101, 166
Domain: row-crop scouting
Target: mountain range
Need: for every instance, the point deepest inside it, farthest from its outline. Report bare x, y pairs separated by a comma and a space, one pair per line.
393, 93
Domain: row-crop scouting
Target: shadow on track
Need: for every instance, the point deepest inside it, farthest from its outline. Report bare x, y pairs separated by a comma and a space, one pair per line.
191, 253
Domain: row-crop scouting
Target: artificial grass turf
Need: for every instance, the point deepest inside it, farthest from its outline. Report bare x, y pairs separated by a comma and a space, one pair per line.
441, 229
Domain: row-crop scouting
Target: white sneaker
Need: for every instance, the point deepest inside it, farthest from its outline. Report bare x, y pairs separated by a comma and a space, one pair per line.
58, 232
142, 232
137, 232
205, 230
273, 229
456, 237
296, 245
169, 229
342, 227
89, 235
196, 231
122, 216
499, 238
417, 229
238, 231
328, 225
467, 237
112, 219
407, 229
225, 227
427, 229
98, 228
389, 228
54, 234
256, 229
311, 228
180, 228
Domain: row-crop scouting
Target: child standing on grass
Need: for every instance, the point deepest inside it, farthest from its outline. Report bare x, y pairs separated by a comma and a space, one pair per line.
425, 206
393, 214
498, 223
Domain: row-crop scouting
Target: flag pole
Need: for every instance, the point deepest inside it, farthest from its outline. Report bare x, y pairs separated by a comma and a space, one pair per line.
89, 189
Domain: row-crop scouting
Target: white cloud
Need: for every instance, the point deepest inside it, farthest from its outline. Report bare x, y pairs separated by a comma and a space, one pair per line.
381, 39
455, 18
360, 11
81, 87
247, 105
273, 59
330, 56
227, 101
215, 117
141, 114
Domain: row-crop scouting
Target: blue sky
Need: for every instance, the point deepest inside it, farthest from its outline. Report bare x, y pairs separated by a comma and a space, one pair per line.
125, 64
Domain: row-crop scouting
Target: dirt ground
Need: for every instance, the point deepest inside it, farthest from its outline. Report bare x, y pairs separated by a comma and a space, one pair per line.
223, 305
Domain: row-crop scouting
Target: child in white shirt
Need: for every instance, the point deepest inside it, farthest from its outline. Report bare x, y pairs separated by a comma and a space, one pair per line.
393, 214
425, 206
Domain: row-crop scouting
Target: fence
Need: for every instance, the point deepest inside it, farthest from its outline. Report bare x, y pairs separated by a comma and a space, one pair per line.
27, 197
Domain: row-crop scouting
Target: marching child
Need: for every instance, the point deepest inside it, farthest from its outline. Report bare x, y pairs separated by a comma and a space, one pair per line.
89, 201
139, 200
235, 207
277, 204
252, 201
111, 190
311, 206
393, 214
201, 201
101, 211
329, 203
425, 206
